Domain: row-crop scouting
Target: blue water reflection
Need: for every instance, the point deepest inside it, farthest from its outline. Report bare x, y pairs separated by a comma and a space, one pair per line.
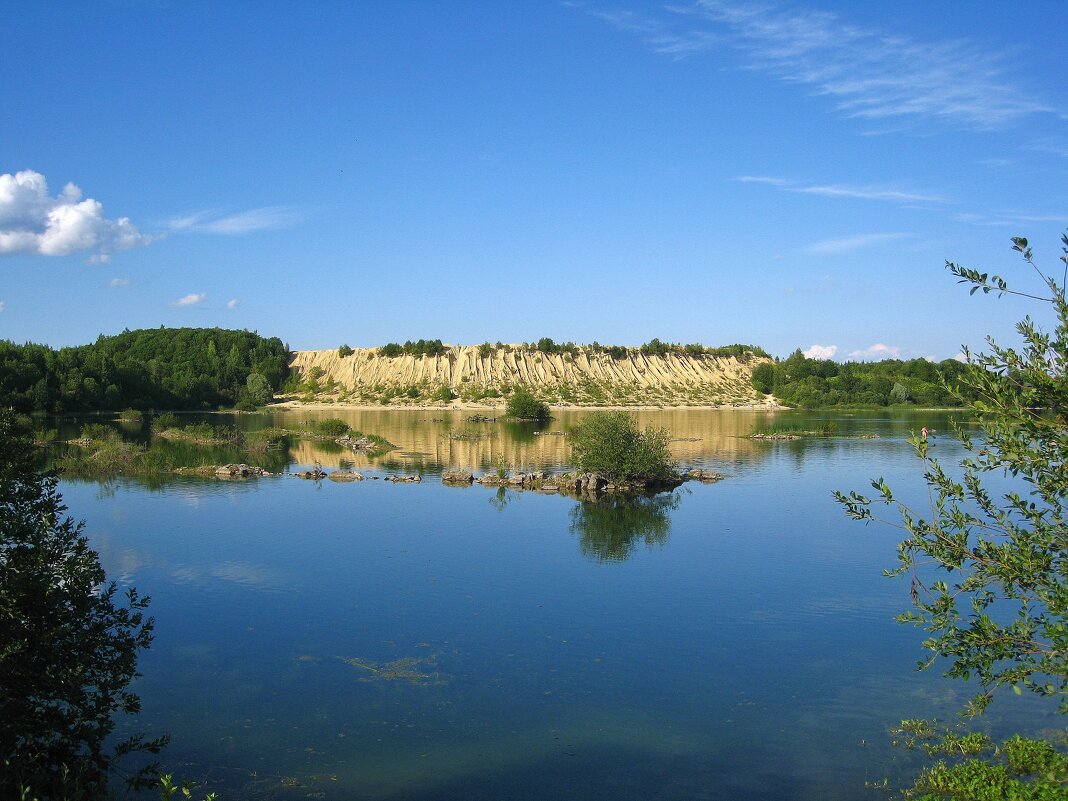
380, 641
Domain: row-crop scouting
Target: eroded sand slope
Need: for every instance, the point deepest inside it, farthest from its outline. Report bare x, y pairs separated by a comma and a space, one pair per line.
588, 377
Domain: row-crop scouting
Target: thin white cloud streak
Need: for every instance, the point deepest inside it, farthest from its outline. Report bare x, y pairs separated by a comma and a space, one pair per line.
116, 282
34, 221
192, 299
876, 352
821, 351
883, 193
232, 304
870, 74
870, 193
245, 222
847, 244
3, 306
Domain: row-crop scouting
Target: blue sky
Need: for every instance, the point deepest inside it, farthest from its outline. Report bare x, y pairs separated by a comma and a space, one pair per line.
786, 174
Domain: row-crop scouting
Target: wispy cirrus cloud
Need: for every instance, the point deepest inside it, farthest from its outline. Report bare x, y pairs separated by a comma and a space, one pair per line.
868, 73
192, 299
232, 304
847, 244
244, 222
117, 282
893, 194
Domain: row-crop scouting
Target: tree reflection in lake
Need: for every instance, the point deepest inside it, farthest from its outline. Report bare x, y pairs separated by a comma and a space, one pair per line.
609, 528
68, 642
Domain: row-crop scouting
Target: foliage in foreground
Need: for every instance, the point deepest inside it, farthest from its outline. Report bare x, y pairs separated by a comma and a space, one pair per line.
610, 443
996, 609
68, 641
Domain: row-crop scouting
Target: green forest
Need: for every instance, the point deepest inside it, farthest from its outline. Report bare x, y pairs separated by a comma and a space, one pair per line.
816, 383
157, 368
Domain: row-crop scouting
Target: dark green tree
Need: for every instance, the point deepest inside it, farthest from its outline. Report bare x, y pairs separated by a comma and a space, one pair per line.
259, 389
68, 641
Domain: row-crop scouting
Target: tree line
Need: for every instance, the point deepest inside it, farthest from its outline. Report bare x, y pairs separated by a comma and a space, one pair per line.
161, 368
815, 383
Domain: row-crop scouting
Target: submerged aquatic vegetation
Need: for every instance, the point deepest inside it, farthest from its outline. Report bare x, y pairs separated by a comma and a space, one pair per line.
405, 669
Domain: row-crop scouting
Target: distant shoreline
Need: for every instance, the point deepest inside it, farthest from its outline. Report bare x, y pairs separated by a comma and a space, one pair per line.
472, 406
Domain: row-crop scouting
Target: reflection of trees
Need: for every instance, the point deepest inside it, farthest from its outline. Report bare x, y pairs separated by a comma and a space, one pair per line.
500, 499
68, 644
610, 527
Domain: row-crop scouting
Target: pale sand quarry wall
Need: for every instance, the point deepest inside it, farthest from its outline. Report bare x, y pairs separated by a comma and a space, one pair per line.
587, 377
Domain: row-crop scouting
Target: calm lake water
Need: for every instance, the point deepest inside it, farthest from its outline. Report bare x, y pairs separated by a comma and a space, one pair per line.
418, 641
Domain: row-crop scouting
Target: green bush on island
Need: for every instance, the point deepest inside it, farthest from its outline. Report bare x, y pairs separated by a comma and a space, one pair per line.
269, 437
522, 405
98, 432
331, 427
164, 420
611, 444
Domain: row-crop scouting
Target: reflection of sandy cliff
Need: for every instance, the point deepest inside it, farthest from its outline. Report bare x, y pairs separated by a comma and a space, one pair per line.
429, 438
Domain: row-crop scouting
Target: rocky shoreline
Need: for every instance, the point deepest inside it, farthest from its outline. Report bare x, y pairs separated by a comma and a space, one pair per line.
573, 483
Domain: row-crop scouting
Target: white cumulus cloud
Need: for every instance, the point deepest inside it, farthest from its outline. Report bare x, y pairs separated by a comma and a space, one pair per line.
821, 351
34, 221
232, 304
876, 352
192, 299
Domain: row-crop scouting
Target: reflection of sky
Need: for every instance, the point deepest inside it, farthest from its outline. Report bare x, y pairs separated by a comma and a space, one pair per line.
752, 649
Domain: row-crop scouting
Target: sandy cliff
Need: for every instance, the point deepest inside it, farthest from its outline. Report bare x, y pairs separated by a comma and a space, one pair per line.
587, 377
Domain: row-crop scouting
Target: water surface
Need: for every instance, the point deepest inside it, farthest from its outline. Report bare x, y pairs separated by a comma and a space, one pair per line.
414, 641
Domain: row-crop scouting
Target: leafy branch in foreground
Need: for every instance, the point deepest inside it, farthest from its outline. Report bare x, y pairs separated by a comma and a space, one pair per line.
989, 569
1008, 551
68, 642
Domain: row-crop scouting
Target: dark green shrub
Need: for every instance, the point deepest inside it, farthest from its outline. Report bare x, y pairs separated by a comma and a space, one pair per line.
524, 406
344, 351
98, 432
611, 444
391, 350
331, 427
161, 422
444, 394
